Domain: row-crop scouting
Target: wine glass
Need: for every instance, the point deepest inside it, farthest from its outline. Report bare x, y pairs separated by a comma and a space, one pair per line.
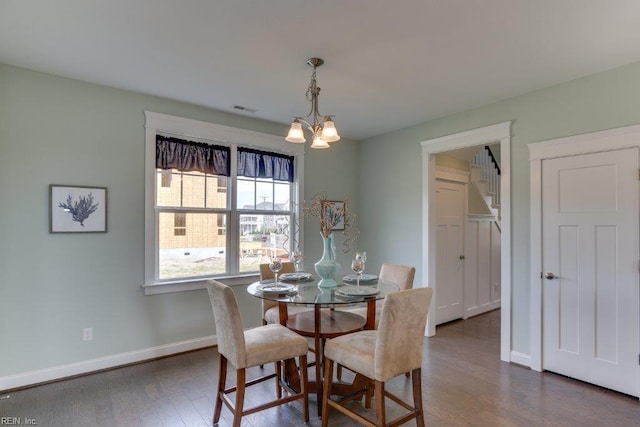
361, 255
357, 265
297, 259
275, 265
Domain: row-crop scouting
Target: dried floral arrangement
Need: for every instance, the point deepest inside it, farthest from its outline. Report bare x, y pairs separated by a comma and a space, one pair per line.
333, 216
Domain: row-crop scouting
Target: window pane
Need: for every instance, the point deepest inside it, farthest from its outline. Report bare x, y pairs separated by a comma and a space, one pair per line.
217, 192
283, 196
262, 236
200, 251
264, 195
246, 194
168, 188
179, 224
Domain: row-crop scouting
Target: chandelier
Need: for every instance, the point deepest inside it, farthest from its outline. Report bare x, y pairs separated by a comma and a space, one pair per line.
322, 128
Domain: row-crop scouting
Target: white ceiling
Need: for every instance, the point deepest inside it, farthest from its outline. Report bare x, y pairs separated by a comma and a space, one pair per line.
389, 64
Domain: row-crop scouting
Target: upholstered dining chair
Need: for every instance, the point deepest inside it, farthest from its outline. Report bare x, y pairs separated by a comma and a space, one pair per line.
253, 347
394, 348
270, 313
400, 275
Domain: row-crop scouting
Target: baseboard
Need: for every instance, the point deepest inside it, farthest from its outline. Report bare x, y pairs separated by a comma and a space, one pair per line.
482, 309
86, 366
521, 358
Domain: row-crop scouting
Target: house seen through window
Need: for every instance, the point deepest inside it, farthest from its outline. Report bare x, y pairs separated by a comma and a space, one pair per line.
220, 220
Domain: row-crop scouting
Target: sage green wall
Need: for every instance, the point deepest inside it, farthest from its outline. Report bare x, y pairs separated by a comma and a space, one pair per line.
392, 198
60, 131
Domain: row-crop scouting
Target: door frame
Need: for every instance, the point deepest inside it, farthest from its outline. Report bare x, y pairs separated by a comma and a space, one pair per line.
497, 133
619, 138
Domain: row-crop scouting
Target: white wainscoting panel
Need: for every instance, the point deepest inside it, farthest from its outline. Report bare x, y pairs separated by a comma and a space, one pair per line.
482, 267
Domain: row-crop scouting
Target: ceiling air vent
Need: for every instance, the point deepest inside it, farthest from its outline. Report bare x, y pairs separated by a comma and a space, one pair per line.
245, 109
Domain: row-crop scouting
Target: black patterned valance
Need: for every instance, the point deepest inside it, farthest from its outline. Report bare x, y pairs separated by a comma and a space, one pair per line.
175, 153
264, 164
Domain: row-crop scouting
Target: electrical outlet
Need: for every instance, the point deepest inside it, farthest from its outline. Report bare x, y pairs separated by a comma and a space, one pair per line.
87, 334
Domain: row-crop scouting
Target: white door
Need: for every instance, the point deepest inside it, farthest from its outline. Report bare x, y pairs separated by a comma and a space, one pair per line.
590, 261
450, 204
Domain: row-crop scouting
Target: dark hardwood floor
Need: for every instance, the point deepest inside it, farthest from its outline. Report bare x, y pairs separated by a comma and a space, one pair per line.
464, 384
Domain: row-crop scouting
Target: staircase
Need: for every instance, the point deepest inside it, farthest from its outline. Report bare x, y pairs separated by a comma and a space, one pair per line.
485, 182
483, 236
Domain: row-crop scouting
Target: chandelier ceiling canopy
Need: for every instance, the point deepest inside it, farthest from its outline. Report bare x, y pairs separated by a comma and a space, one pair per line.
322, 128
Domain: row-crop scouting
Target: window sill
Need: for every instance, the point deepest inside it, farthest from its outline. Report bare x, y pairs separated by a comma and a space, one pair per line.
191, 285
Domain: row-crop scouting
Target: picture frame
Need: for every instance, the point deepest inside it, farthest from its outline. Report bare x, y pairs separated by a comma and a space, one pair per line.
335, 205
77, 209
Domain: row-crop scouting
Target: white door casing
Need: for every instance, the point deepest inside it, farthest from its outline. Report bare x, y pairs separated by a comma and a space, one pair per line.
584, 217
497, 133
496, 258
450, 203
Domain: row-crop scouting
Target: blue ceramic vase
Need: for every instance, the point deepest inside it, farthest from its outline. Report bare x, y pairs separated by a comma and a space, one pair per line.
327, 267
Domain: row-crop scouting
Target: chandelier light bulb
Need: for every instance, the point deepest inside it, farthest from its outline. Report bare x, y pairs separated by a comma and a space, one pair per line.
296, 133
329, 132
319, 143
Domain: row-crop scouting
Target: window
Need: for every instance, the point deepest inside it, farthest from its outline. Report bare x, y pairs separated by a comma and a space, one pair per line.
179, 224
221, 209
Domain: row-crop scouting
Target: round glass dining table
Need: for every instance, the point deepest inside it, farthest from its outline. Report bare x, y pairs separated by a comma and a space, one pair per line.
307, 292
324, 319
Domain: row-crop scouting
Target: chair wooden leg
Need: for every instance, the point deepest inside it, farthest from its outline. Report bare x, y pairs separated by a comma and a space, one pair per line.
368, 395
278, 368
304, 387
222, 379
339, 372
264, 323
241, 380
381, 418
416, 380
326, 395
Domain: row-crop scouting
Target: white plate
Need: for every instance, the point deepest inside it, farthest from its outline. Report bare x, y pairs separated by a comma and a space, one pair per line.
352, 278
295, 277
272, 288
356, 291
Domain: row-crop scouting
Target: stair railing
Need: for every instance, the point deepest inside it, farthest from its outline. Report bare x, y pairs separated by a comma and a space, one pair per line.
489, 172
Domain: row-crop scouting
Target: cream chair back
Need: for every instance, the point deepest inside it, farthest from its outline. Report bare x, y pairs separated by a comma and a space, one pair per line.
401, 330
266, 274
400, 275
229, 329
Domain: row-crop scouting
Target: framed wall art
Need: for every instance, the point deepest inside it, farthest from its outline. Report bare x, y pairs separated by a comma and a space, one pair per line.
77, 209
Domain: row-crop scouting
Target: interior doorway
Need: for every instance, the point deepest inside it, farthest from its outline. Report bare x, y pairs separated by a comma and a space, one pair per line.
494, 134
468, 233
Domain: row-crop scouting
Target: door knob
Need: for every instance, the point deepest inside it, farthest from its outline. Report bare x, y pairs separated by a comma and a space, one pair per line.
550, 276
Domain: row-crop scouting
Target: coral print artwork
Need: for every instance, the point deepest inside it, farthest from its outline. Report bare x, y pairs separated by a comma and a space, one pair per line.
76, 209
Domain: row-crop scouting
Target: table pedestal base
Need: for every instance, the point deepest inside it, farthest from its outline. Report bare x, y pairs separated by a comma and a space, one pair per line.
322, 325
